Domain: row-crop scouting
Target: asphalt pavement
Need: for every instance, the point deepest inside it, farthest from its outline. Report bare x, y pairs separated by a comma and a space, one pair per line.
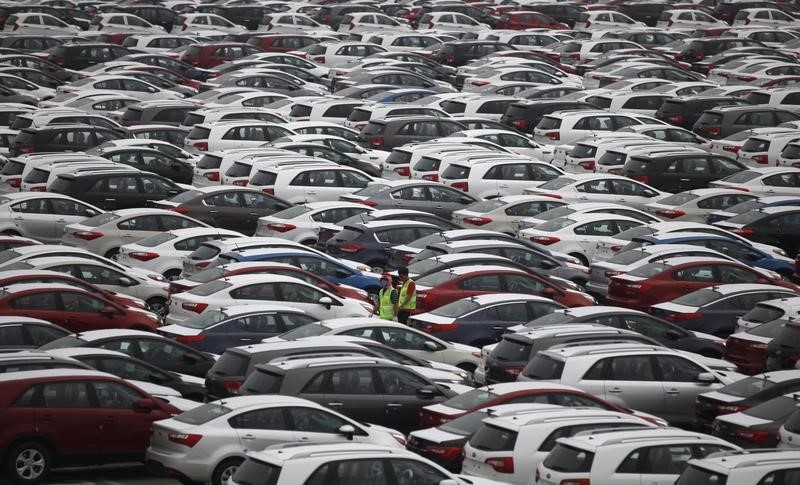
106, 475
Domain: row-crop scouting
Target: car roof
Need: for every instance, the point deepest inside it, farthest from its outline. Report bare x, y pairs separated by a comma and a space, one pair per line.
95, 335
772, 459
52, 373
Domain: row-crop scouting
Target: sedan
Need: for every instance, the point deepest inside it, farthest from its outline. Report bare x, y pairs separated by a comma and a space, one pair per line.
764, 181
116, 84
227, 207
430, 197
779, 226
598, 188
696, 205
41, 216
503, 214
756, 427
302, 222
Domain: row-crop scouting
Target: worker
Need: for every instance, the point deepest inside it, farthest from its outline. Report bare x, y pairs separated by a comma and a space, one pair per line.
387, 299
407, 301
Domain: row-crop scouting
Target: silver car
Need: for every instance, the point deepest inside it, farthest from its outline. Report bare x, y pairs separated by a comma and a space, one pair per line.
41, 216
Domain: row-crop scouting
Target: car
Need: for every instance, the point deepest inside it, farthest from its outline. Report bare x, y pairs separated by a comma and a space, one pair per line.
24, 333
526, 115
34, 451
106, 232
302, 222
40, 216
645, 286
723, 121
680, 170
421, 195
335, 54
748, 349
787, 434
580, 208
696, 205
752, 204
114, 189
369, 243
284, 419
756, 427
771, 225
685, 110
394, 132
487, 179
743, 395
782, 350
149, 159
767, 181
742, 467
226, 207
503, 214
575, 188
600, 455
767, 311
60, 138
232, 134
250, 289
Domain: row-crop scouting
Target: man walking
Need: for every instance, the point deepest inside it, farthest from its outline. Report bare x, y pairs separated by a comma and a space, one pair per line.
407, 301
387, 299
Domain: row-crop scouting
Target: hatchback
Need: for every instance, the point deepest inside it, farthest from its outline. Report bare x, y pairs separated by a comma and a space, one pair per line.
115, 189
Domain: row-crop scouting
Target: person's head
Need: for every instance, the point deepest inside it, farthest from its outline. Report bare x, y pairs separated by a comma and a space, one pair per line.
386, 280
402, 272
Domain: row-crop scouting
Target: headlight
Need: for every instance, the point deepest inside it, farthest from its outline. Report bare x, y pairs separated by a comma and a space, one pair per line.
156, 277
367, 306
573, 261
779, 251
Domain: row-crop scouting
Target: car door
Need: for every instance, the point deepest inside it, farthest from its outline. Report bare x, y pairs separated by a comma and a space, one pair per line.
353, 391
261, 428
678, 376
64, 410
256, 205
410, 341
782, 230
34, 218
66, 211
404, 394
653, 465
312, 425
632, 194
319, 185
138, 228
445, 200
499, 317
123, 428
153, 187
587, 235
245, 330
631, 381
689, 279
308, 299
82, 312
99, 275
601, 190
222, 209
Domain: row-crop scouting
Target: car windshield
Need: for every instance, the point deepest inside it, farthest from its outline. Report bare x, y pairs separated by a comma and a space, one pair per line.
456, 308
775, 409
485, 206
308, 330
424, 242
741, 177
100, 219
649, 270
435, 279
628, 257
551, 319
467, 424
555, 213
202, 414
210, 288
157, 240
205, 319
470, 399
207, 275
747, 386
747, 218
292, 212
698, 298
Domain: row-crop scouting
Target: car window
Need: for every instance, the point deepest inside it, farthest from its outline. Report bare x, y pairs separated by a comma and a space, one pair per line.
631, 368
296, 293
65, 395
312, 420
678, 369
695, 273
35, 301
267, 418
481, 283
400, 382
141, 223
78, 302
413, 472
403, 339
352, 381
522, 284
115, 395
153, 350
732, 274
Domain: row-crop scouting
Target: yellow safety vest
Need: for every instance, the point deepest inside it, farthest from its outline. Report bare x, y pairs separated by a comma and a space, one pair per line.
412, 302
385, 305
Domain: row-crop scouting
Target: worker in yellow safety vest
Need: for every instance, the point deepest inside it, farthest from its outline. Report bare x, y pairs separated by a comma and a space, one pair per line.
407, 300
387, 299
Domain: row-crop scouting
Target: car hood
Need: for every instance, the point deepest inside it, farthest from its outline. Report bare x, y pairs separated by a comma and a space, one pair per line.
743, 420
444, 410
721, 396
180, 330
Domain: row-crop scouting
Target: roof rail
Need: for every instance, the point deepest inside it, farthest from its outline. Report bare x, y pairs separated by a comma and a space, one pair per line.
590, 432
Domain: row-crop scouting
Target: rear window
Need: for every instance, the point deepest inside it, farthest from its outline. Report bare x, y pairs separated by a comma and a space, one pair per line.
557, 183
649, 270
793, 423
371, 190
485, 206
788, 336
252, 472
186, 196
792, 151
292, 212
454, 107
373, 128
202, 414
758, 98
583, 151
209, 288
231, 364
205, 320
100, 219
612, 158
763, 314
21, 122
747, 387
427, 164
755, 145
742, 177
263, 178
199, 133
678, 199
63, 342
465, 425
157, 240
454, 172
359, 114
710, 119
398, 157
192, 119
600, 101
263, 382
239, 169
493, 438
13, 167
209, 161
694, 475
774, 409
512, 350
549, 123
456, 308
37, 176
470, 399
543, 367
568, 459
698, 298
349, 234
132, 114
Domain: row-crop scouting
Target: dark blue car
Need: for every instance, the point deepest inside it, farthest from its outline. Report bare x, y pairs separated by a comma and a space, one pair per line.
370, 243
753, 204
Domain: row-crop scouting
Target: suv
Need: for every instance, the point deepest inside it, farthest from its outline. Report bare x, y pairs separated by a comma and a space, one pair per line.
361, 115
76, 401
624, 456
370, 243
525, 115
394, 132
60, 138
459, 53
569, 126
309, 182
367, 389
508, 359
652, 379
680, 170
487, 179
684, 111
47, 117
82, 55
767, 311
115, 189
721, 122
744, 468
165, 112
232, 134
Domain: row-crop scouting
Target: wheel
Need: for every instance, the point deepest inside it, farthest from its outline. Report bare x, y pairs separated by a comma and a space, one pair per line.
11, 233
29, 463
157, 305
308, 242
113, 254
581, 258
172, 275
225, 470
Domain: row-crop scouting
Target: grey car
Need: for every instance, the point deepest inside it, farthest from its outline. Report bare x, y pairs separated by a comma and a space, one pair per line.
431, 197
393, 132
41, 216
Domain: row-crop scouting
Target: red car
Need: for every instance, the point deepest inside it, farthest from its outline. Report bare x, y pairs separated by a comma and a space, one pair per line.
62, 417
281, 42
748, 349
214, 54
671, 278
443, 287
40, 276
250, 267
72, 308
529, 20
10, 242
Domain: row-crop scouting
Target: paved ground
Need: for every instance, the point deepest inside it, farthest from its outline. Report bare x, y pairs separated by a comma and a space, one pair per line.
117, 475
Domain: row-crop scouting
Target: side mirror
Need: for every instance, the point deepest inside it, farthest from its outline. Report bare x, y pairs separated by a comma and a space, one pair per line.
144, 405
326, 302
190, 358
108, 311
348, 431
431, 346
650, 193
706, 378
547, 264
173, 192
467, 201
125, 281
427, 392
90, 213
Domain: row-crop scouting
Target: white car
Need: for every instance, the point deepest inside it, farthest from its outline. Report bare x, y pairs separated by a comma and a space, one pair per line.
120, 84
688, 20
104, 233
763, 181
599, 188
606, 20
577, 234
226, 134
395, 335
123, 22
503, 214
745, 467
764, 17
23, 86
761, 150
511, 141
586, 208
364, 22
290, 23
231, 427
41, 216
163, 253
768, 311
301, 223
38, 24
451, 21
497, 178
199, 23
252, 289
375, 157
335, 54
696, 205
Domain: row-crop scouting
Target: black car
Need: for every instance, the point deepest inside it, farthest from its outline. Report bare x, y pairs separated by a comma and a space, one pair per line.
60, 138
226, 376
783, 351
371, 390
371, 242
77, 56
247, 15
389, 133
778, 226
525, 115
459, 53
565, 12
743, 394
685, 110
20, 333
694, 50
680, 170
326, 233
30, 43
162, 112
513, 353
150, 159
112, 190
170, 63
721, 122
149, 347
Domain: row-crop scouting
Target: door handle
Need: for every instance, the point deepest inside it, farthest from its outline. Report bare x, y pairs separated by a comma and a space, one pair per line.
110, 200
248, 437
394, 405
245, 339
615, 390
498, 327
304, 438
673, 392
213, 212
61, 220
335, 404
19, 218
253, 213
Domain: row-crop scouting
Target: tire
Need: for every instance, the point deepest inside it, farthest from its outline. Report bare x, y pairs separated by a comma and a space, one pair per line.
29, 463
11, 233
225, 470
157, 305
308, 242
581, 258
172, 275
113, 254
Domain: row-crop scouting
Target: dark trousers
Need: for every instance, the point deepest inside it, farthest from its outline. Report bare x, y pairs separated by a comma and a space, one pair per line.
402, 317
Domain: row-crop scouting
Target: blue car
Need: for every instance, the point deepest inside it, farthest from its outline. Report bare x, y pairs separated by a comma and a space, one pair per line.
325, 266
737, 249
405, 95
753, 204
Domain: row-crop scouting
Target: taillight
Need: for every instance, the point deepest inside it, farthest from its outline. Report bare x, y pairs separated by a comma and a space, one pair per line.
433, 177
645, 179
367, 202
714, 130
26, 150
232, 386
746, 79
184, 27
575, 481
269, 26
611, 274
212, 176
100, 26
448, 453
376, 141
319, 59
743, 232
15, 182
555, 196
480, 83
676, 119
640, 287
185, 439
143, 256
241, 183
519, 124
269, 191
407, 257
752, 436
16, 26
403, 171
587, 165
451, 59
503, 464
180, 210
203, 147
194, 307
731, 148
669, 23
38, 189
87, 235
545, 240
280, 227
352, 25
588, 24
670, 213
439, 327
514, 371
190, 339
553, 135
575, 56
477, 221
728, 409
761, 159
460, 186
351, 248
683, 317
